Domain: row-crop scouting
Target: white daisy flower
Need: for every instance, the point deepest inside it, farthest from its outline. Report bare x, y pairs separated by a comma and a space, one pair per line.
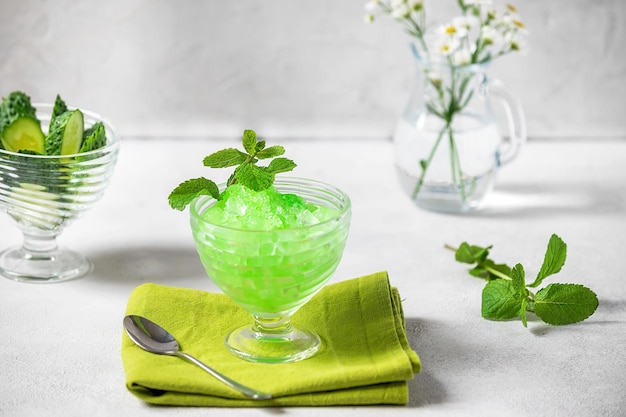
435, 78
416, 5
371, 6
394, 4
517, 41
468, 22
452, 30
447, 45
513, 21
491, 36
462, 56
401, 12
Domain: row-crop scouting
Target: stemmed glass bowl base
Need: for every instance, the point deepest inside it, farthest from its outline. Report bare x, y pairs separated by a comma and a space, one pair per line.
253, 345
54, 266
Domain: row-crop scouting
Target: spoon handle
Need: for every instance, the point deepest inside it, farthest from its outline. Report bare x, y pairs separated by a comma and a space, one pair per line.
247, 391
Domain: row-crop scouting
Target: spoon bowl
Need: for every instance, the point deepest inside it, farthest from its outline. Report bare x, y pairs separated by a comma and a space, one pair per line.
155, 339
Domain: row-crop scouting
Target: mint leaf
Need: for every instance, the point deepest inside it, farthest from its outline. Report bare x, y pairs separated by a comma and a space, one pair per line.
500, 300
470, 254
522, 312
254, 177
479, 272
553, 261
247, 173
518, 278
186, 192
281, 165
506, 295
225, 158
560, 304
249, 141
270, 152
519, 284
490, 270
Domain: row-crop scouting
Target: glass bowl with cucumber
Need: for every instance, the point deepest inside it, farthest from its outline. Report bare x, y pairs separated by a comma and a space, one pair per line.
56, 162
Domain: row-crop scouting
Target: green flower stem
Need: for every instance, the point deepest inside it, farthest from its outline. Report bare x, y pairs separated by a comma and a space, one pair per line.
420, 182
457, 173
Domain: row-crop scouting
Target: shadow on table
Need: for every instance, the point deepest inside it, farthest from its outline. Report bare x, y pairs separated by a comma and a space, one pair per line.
528, 200
425, 388
135, 265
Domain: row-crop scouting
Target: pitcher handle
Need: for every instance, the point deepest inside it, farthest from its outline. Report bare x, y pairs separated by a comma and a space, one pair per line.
515, 118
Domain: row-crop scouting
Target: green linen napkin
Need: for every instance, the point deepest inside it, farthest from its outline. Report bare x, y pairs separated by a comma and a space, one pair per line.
365, 357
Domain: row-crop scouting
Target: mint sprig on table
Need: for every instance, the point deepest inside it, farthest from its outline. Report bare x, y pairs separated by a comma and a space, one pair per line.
247, 172
507, 295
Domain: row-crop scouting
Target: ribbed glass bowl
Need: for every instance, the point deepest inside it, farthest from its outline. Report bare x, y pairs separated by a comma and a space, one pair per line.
273, 273
43, 194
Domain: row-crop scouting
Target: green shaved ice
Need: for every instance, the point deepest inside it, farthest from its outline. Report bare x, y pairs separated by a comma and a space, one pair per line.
243, 208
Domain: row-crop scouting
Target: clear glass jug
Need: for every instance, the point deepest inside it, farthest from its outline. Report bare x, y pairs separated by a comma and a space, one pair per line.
448, 145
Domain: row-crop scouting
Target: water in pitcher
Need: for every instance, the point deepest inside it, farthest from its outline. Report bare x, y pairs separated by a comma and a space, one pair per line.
477, 144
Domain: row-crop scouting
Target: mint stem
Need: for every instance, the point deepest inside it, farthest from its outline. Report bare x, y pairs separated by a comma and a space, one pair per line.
497, 273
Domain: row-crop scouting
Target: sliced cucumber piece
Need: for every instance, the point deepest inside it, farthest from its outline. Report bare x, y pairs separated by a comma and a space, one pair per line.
59, 108
24, 134
95, 137
19, 128
66, 134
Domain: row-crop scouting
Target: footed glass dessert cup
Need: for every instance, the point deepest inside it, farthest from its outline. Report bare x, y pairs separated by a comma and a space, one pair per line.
43, 194
272, 273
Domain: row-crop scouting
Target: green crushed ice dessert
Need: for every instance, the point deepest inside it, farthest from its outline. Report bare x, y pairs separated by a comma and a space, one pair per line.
243, 208
270, 245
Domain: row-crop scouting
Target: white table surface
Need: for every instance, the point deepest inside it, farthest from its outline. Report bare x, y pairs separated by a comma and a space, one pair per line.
60, 343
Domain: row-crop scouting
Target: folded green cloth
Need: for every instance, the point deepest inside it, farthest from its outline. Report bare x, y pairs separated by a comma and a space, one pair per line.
365, 357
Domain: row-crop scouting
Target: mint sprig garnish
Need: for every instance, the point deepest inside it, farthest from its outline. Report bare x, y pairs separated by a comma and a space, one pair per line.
507, 296
247, 172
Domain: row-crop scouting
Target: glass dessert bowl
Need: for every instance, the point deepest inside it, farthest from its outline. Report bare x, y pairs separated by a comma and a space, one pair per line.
272, 273
45, 193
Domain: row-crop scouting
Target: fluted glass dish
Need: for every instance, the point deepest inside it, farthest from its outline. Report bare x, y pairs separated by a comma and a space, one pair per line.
272, 273
43, 194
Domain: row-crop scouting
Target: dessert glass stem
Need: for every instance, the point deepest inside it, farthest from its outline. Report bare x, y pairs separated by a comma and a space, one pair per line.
40, 260
38, 243
272, 340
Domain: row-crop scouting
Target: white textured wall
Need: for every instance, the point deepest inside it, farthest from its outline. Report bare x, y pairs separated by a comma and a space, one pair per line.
293, 68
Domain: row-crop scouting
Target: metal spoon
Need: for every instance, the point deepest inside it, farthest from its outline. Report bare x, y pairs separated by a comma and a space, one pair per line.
155, 339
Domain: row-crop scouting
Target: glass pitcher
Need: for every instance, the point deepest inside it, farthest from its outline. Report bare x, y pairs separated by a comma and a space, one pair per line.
448, 146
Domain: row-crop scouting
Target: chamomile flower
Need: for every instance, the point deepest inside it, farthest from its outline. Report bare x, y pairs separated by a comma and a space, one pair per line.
512, 21
517, 41
372, 6
491, 37
468, 22
451, 30
462, 56
478, 35
416, 5
402, 11
435, 78
447, 45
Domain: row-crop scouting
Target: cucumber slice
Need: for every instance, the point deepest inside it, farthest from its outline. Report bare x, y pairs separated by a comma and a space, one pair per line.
59, 108
19, 128
95, 137
66, 134
24, 134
